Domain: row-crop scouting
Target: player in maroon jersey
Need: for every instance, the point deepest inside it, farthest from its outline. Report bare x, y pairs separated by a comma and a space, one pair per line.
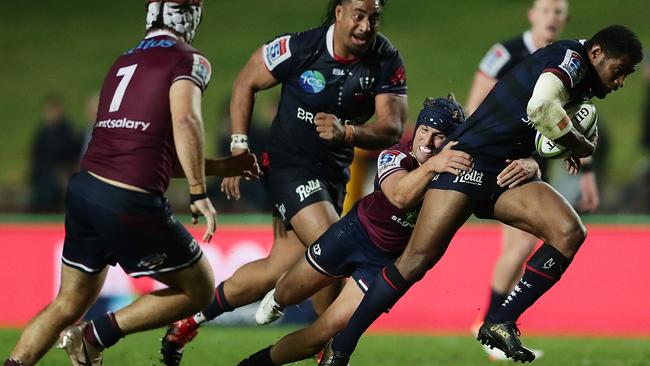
148, 122
374, 232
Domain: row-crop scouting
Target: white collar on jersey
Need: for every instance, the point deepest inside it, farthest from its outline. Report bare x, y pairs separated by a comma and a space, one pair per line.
329, 40
160, 32
528, 41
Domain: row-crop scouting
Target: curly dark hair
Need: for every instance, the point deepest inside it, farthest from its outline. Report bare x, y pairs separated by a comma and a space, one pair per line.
330, 15
616, 41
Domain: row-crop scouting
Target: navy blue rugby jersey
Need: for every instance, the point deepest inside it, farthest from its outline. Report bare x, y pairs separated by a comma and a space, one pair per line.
504, 56
315, 80
500, 128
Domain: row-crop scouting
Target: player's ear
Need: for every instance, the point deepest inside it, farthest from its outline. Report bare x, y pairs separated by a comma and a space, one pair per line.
339, 12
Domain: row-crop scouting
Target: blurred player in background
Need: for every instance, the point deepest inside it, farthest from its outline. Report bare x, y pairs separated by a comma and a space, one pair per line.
529, 98
372, 234
334, 78
547, 19
149, 115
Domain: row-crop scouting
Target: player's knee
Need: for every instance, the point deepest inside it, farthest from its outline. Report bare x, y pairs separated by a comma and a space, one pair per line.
573, 235
414, 266
203, 296
67, 310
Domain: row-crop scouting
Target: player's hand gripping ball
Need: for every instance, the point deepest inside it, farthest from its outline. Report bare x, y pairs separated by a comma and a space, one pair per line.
584, 117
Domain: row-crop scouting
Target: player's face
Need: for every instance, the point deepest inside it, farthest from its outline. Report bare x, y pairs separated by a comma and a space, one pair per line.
425, 141
357, 22
611, 71
548, 18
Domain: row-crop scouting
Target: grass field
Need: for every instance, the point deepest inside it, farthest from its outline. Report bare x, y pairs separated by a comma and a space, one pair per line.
227, 346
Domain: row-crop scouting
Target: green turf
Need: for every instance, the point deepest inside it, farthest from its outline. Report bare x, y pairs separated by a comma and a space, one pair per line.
227, 346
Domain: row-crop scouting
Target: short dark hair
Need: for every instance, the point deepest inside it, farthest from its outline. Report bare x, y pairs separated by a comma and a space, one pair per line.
330, 15
616, 41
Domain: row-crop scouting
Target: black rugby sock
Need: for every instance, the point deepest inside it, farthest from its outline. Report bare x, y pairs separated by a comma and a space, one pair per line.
543, 270
103, 332
218, 306
259, 358
496, 299
389, 286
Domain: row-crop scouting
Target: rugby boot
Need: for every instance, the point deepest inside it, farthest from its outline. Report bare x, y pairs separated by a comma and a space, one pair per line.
177, 336
505, 336
333, 358
269, 310
80, 352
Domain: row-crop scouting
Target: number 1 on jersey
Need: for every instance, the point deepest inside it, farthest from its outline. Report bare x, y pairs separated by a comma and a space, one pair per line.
126, 73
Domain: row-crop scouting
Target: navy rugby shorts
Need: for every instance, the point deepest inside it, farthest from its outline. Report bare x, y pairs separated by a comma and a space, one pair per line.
293, 189
480, 186
346, 250
105, 225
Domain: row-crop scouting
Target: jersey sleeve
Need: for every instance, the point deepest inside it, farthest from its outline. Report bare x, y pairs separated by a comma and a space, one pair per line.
282, 55
389, 162
567, 64
194, 67
392, 77
495, 60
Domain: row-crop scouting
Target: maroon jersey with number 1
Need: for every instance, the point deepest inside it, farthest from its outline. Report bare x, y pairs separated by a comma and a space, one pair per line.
132, 140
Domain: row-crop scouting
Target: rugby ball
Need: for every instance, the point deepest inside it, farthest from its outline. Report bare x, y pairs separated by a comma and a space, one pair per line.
584, 117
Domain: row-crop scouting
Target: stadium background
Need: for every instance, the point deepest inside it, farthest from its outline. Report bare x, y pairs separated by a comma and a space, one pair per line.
67, 46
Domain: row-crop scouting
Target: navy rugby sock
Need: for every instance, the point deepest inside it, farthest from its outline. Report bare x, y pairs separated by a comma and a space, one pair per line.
259, 358
496, 299
103, 332
543, 270
218, 306
389, 286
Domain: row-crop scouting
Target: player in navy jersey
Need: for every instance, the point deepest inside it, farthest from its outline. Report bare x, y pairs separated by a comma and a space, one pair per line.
370, 236
547, 19
149, 118
529, 97
334, 78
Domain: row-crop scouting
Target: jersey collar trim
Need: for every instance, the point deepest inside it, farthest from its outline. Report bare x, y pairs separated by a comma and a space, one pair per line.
329, 41
528, 41
160, 32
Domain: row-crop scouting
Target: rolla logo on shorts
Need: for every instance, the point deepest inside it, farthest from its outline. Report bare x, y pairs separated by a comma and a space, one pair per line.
474, 177
306, 190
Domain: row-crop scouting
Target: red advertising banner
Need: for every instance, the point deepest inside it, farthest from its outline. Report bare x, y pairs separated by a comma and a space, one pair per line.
605, 291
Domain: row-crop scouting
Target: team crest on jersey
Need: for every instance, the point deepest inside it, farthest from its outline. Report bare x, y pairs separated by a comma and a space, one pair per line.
366, 82
276, 52
201, 69
496, 58
573, 65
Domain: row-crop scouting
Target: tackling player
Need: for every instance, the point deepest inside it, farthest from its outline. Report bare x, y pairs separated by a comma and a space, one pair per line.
149, 114
530, 97
371, 235
547, 19
334, 78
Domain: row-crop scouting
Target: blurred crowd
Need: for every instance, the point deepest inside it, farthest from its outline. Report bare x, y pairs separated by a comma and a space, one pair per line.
57, 146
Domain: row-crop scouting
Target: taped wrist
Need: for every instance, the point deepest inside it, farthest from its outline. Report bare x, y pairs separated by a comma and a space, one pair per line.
545, 106
238, 141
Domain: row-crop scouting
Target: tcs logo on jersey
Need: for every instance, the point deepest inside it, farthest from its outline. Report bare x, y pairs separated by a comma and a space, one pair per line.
312, 81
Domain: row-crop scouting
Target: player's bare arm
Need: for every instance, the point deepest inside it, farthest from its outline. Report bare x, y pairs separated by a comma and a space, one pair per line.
481, 86
185, 106
253, 78
390, 109
230, 166
406, 189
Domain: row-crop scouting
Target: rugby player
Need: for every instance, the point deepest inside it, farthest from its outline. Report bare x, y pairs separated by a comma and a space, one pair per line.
529, 98
149, 115
547, 20
371, 235
334, 78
